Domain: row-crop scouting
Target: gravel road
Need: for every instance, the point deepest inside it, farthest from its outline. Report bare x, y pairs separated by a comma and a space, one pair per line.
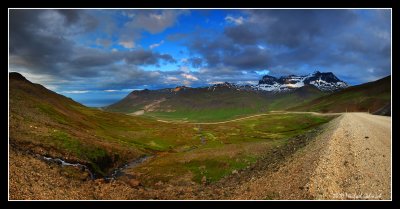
350, 159
356, 163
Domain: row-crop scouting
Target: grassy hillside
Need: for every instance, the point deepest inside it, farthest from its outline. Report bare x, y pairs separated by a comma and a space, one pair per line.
366, 97
209, 105
49, 124
192, 104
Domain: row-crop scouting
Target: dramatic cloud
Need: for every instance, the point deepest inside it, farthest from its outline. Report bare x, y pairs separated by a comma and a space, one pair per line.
285, 41
153, 21
196, 62
39, 50
224, 52
144, 57
84, 52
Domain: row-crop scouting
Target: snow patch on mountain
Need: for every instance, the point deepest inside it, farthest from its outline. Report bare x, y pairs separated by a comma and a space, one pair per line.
323, 81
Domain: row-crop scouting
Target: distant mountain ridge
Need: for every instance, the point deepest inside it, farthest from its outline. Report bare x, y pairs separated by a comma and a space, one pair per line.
323, 81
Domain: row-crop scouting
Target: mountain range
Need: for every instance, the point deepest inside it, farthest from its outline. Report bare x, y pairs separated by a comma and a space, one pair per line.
326, 82
323, 81
228, 100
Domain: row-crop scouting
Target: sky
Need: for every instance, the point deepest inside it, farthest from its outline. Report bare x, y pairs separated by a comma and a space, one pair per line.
97, 57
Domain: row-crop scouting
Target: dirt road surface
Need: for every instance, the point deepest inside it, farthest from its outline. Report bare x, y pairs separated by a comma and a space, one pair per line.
357, 161
351, 159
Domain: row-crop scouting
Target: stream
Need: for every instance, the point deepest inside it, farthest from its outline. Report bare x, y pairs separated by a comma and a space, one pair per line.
120, 171
64, 163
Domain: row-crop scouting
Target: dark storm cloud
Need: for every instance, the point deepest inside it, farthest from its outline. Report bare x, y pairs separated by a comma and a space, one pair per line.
79, 18
41, 47
75, 45
196, 62
248, 57
147, 57
120, 77
153, 21
95, 58
293, 28
71, 16
223, 51
287, 41
32, 45
243, 34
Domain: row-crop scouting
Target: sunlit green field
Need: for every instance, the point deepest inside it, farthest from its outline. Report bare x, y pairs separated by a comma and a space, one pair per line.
226, 147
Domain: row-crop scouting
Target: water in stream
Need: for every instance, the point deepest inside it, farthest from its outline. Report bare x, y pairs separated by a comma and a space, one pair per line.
115, 174
64, 163
121, 170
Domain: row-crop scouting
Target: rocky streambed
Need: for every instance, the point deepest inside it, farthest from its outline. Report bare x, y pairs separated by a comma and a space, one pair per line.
118, 172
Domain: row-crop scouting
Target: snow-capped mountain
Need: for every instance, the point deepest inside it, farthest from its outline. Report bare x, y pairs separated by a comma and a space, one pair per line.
323, 81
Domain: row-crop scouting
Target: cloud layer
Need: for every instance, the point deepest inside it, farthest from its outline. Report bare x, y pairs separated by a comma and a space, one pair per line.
95, 50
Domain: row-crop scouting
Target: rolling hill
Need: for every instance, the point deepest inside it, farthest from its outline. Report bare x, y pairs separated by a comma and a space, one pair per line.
214, 103
373, 97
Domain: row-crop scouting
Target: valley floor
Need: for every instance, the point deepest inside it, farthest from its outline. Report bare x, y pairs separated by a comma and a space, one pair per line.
347, 158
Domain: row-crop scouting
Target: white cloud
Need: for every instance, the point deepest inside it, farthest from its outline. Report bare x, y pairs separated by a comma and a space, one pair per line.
75, 92
120, 90
172, 78
189, 77
127, 44
237, 21
51, 87
47, 81
129, 90
261, 47
156, 45
215, 82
